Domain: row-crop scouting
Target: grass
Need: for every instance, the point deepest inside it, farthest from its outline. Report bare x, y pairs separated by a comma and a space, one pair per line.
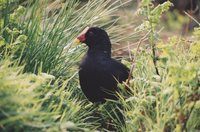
39, 88
31, 102
161, 103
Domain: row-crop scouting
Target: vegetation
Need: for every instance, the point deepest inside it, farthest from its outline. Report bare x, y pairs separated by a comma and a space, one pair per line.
39, 88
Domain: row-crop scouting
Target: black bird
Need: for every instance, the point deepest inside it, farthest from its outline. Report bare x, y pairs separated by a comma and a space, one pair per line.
99, 74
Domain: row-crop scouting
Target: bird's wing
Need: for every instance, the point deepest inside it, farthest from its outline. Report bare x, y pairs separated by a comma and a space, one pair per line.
117, 70
120, 71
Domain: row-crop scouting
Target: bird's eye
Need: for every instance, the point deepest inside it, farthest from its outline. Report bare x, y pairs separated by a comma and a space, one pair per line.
90, 33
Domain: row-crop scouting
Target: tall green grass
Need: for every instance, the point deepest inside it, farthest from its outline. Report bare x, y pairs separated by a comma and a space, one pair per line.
36, 41
39, 89
49, 33
32, 102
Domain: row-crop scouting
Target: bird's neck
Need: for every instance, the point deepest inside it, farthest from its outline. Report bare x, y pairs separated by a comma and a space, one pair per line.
101, 52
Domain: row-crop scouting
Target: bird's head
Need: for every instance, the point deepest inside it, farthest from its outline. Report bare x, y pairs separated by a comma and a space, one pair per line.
95, 38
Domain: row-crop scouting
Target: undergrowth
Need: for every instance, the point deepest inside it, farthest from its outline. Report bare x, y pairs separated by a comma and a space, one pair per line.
39, 88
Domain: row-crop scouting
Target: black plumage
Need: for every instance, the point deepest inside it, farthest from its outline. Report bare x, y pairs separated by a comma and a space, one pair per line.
99, 74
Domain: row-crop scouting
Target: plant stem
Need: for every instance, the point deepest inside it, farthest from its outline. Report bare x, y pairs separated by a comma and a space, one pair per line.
155, 59
134, 60
153, 48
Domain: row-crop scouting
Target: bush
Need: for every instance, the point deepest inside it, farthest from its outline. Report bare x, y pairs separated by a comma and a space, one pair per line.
170, 101
38, 41
39, 89
32, 102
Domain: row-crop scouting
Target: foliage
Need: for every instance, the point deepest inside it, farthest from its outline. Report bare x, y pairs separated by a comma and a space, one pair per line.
39, 89
152, 15
47, 35
33, 102
168, 101
40, 40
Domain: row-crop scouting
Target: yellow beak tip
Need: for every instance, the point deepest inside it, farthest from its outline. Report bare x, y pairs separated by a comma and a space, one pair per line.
77, 41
